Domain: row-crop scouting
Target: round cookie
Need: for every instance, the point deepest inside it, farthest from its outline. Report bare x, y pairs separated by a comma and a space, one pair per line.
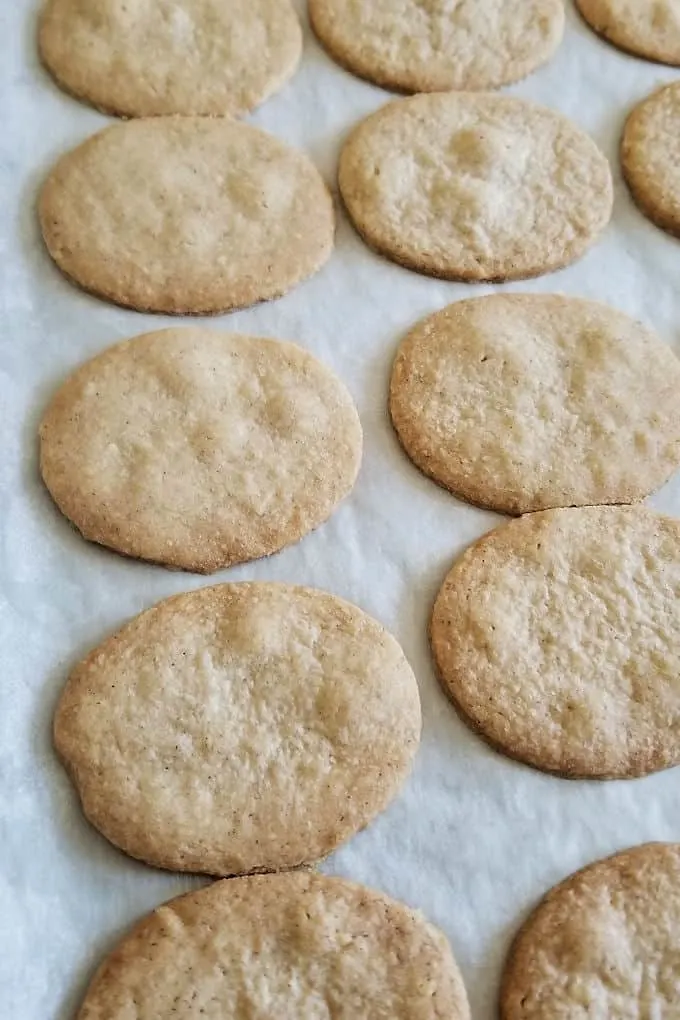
645, 29
556, 637
603, 943
520, 402
186, 215
288, 946
203, 57
200, 449
475, 187
239, 728
650, 157
415, 47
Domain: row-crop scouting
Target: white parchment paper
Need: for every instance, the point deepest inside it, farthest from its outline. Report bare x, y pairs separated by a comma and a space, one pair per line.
474, 839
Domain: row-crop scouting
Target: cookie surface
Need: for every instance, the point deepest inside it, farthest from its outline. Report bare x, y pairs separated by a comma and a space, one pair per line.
650, 157
557, 638
186, 215
172, 56
200, 449
414, 47
289, 946
239, 728
603, 943
521, 402
650, 30
472, 186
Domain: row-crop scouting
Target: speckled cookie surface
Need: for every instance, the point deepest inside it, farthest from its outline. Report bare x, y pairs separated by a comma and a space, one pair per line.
200, 449
145, 59
557, 637
475, 186
521, 402
239, 728
603, 943
285, 946
642, 27
412, 46
650, 157
186, 215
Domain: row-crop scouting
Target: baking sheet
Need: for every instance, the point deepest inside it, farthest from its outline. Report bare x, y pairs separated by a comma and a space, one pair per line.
474, 839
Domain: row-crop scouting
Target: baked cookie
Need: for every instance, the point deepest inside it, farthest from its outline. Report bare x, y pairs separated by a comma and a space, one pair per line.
414, 47
521, 402
171, 56
472, 186
650, 157
186, 215
603, 943
284, 946
557, 637
640, 27
239, 728
200, 449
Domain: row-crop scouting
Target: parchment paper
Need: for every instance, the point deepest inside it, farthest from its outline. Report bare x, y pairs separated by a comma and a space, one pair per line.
475, 839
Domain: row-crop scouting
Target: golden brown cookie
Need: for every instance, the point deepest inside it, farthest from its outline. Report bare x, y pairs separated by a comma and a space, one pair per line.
239, 728
520, 402
603, 943
186, 215
415, 47
171, 56
200, 449
284, 946
650, 157
645, 28
470, 186
557, 638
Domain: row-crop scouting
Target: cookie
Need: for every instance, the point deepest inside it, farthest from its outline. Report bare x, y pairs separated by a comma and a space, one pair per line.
201, 57
603, 943
186, 215
415, 47
199, 449
650, 30
520, 402
239, 728
650, 157
288, 946
557, 638
475, 187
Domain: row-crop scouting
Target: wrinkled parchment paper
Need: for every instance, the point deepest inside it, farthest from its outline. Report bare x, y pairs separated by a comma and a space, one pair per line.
474, 839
